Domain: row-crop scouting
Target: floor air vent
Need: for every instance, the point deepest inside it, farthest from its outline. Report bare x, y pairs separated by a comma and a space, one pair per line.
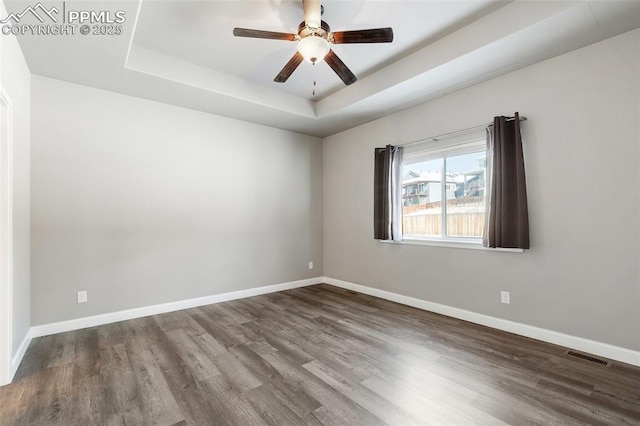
588, 358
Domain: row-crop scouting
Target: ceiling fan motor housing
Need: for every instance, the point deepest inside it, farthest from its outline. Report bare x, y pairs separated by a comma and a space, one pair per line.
305, 31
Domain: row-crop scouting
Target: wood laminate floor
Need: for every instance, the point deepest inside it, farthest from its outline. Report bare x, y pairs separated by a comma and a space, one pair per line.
314, 355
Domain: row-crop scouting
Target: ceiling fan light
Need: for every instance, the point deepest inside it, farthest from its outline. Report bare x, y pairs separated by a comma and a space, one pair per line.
313, 48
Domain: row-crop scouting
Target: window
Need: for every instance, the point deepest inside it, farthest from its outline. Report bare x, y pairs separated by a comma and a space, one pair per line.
448, 202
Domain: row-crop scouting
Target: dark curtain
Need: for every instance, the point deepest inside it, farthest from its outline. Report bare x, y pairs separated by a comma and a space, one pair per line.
387, 196
507, 223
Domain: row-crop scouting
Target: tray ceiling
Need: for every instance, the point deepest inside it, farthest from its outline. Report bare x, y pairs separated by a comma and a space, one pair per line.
183, 53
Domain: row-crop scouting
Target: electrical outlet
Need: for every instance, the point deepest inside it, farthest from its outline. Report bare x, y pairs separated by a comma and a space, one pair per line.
505, 297
310, 265
82, 296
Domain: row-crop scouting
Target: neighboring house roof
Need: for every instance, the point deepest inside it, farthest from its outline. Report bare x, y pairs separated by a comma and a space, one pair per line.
475, 172
421, 176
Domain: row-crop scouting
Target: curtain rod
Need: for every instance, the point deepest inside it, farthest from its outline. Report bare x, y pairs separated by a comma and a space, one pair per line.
456, 133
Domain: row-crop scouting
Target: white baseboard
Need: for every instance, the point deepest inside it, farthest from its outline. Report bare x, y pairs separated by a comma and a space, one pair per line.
591, 346
17, 357
95, 320
597, 348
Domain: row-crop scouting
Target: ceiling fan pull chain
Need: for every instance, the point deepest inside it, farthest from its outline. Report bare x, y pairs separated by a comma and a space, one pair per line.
313, 93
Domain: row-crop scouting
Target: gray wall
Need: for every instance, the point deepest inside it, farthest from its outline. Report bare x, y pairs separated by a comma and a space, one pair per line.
582, 163
16, 80
141, 203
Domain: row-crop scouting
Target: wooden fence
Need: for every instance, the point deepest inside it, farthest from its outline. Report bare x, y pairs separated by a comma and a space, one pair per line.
458, 224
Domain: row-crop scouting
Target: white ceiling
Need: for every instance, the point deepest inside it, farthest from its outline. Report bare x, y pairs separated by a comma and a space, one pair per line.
183, 53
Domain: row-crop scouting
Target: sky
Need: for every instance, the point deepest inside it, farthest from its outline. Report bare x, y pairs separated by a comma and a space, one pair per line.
460, 164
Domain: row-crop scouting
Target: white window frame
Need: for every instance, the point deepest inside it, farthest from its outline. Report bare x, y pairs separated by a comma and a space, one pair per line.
426, 153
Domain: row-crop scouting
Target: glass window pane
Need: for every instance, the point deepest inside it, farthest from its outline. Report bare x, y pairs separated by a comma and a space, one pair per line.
421, 198
465, 185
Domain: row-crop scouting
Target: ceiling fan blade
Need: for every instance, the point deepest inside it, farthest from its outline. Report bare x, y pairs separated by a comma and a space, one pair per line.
340, 68
245, 32
312, 13
289, 68
375, 35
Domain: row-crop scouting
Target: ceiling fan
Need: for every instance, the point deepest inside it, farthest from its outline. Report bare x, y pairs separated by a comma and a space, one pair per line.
314, 39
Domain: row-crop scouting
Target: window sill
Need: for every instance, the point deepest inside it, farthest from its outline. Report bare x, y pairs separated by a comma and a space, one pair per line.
462, 243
